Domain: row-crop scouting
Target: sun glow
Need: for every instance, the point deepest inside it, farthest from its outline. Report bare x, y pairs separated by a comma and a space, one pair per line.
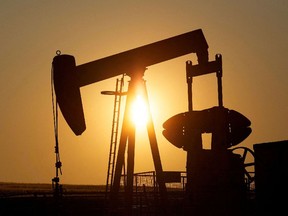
139, 112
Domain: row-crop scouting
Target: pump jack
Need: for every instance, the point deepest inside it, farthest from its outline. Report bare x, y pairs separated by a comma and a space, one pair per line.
68, 78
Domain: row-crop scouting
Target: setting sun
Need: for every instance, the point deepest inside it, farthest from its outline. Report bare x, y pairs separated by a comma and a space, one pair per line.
139, 112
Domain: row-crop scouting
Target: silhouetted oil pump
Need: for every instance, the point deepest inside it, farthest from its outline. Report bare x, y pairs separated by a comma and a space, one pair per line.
68, 78
215, 176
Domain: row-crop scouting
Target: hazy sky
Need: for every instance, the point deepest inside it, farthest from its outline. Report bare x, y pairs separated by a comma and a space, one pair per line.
252, 37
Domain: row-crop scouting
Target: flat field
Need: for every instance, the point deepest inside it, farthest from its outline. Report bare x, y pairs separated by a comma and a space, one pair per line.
37, 199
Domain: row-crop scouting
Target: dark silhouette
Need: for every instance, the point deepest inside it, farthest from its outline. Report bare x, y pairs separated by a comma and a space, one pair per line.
68, 78
217, 178
271, 177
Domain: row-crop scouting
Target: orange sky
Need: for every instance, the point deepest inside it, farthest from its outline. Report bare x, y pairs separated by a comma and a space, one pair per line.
252, 37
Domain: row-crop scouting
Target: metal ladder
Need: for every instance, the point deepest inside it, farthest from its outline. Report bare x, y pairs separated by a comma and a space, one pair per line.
114, 134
